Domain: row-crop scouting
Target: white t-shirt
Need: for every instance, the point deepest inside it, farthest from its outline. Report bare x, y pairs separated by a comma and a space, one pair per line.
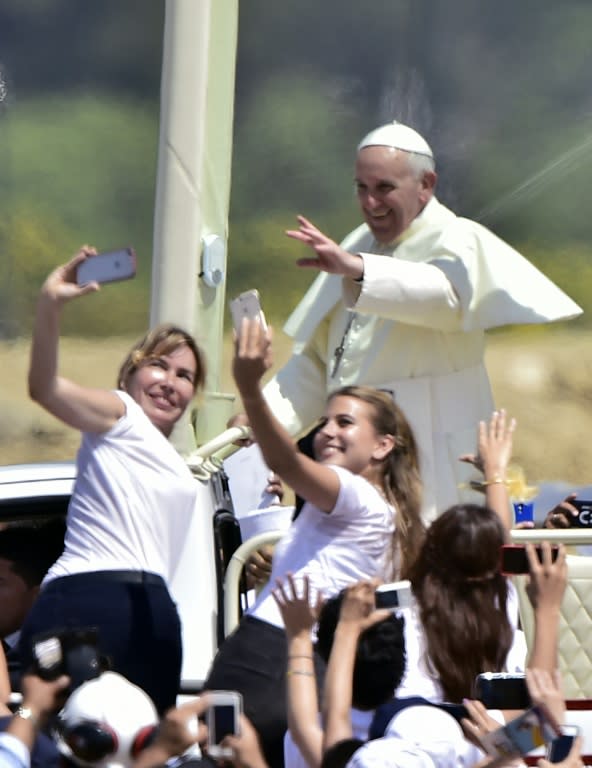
132, 501
419, 681
351, 543
360, 722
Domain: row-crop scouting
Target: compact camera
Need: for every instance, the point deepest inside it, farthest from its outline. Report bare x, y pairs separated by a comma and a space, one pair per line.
72, 652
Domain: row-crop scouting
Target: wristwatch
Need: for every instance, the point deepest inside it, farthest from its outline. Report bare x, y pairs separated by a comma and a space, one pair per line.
26, 713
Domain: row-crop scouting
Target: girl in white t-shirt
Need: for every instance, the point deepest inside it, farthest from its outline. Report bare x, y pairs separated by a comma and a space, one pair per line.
361, 520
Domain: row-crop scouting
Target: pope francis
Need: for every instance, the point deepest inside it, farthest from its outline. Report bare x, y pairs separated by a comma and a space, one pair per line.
403, 305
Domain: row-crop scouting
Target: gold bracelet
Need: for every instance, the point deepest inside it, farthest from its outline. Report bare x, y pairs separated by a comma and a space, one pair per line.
304, 672
497, 479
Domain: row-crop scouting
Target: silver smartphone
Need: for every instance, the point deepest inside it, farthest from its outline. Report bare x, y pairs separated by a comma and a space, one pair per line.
247, 305
222, 719
107, 267
395, 595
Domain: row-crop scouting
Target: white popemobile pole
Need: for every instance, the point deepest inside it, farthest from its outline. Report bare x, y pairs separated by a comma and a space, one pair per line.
193, 187
189, 265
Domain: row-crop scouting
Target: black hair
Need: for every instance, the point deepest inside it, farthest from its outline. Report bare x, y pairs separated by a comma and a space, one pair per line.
380, 656
339, 754
31, 549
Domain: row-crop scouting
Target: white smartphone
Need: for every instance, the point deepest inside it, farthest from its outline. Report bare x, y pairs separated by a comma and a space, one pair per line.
247, 305
527, 732
222, 719
107, 267
561, 745
395, 595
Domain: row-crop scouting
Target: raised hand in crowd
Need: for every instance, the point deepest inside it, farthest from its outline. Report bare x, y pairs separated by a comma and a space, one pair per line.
178, 730
546, 586
246, 749
494, 452
41, 698
545, 690
559, 516
300, 616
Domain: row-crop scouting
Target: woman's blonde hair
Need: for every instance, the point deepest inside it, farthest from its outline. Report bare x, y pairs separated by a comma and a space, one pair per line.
162, 340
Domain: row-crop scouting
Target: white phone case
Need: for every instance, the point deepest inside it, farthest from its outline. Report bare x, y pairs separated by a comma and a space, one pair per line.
247, 305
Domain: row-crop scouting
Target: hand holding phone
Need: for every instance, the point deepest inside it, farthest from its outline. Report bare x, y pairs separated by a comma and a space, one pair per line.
247, 305
502, 690
514, 560
223, 719
107, 267
522, 735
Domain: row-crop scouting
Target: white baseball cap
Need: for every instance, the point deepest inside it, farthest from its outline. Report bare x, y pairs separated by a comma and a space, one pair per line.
108, 708
437, 733
389, 752
397, 136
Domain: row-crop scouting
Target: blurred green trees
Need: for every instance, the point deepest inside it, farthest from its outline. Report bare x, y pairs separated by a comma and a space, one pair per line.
501, 92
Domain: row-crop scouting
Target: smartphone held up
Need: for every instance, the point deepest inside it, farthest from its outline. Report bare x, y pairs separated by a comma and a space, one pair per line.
514, 558
247, 305
107, 267
223, 719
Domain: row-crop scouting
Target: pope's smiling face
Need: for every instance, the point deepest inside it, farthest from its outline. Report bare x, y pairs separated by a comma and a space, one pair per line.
390, 191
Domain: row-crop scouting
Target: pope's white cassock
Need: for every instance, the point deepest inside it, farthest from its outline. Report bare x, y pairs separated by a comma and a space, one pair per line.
415, 326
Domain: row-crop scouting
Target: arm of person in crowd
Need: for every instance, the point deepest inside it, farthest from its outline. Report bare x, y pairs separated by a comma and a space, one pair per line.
561, 514
545, 690
357, 613
41, 698
299, 617
546, 587
246, 747
494, 451
314, 482
179, 729
84, 408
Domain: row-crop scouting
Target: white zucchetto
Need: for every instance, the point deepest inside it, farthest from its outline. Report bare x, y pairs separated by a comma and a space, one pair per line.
397, 136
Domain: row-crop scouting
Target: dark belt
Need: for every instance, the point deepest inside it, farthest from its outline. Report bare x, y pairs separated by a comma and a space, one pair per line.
119, 577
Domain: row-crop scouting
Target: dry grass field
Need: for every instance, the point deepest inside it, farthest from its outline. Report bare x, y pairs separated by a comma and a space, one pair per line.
543, 378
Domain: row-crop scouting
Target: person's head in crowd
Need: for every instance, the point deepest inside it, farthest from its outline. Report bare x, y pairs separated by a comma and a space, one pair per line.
390, 753
380, 656
26, 554
363, 424
395, 179
105, 723
164, 351
462, 597
338, 754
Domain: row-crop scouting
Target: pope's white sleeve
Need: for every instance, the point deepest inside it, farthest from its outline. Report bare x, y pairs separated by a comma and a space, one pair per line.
429, 294
298, 392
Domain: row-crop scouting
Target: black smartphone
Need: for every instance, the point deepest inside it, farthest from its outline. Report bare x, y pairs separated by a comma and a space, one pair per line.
560, 747
502, 690
514, 560
584, 516
108, 267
